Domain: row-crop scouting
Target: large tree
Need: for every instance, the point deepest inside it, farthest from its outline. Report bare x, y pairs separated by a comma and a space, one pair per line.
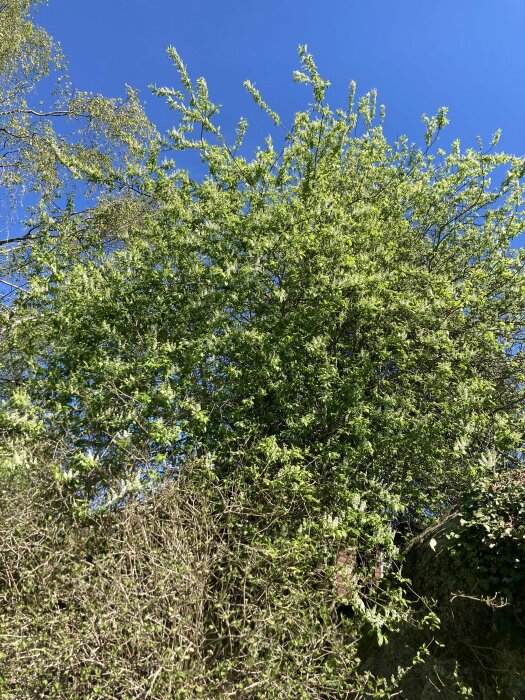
327, 333
344, 309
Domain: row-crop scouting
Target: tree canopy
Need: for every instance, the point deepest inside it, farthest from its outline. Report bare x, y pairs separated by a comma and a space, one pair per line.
318, 344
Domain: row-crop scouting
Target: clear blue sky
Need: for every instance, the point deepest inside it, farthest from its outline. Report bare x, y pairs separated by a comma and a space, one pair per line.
466, 54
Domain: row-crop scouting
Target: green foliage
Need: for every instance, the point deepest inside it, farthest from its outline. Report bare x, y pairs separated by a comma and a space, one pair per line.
344, 309
25, 50
59, 146
330, 329
490, 544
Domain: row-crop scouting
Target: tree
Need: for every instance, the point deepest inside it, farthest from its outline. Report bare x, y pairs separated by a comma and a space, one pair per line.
346, 305
327, 334
60, 147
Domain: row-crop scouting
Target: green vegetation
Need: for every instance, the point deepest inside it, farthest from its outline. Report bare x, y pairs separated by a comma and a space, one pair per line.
212, 388
491, 541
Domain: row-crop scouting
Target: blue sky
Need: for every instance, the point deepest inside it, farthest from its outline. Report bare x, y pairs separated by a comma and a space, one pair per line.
466, 54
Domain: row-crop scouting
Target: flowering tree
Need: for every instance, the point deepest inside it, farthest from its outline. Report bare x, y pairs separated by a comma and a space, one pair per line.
324, 337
